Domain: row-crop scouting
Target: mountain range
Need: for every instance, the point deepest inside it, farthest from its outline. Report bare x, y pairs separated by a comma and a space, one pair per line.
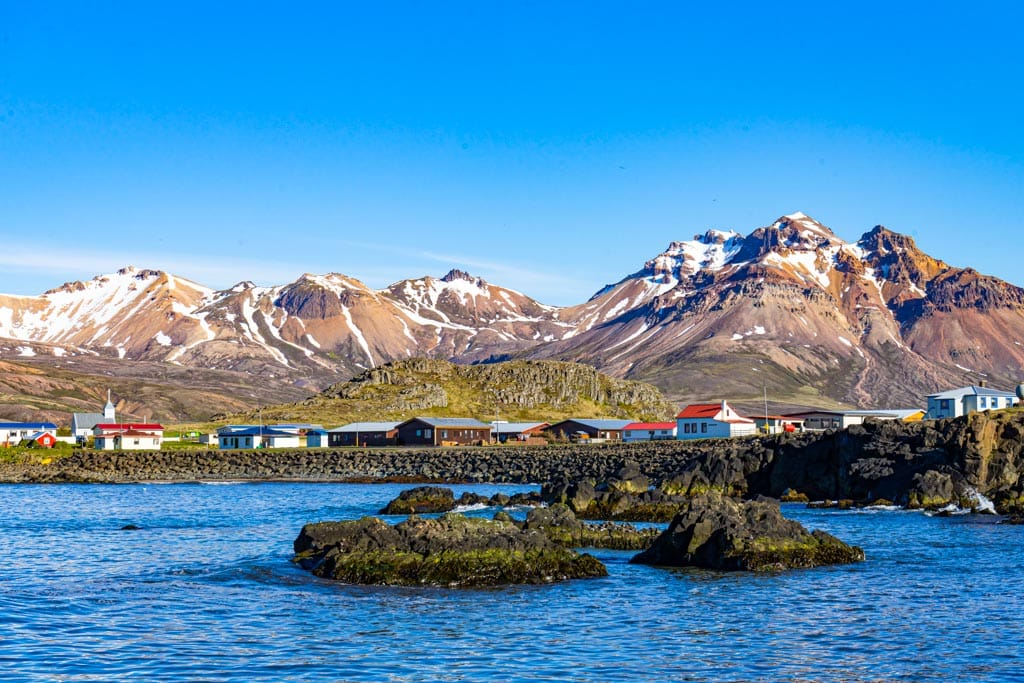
789, 309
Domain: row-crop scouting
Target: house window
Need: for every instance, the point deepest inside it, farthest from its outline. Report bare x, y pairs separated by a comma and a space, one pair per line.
703, 427
419, 432
428, 433
444, 433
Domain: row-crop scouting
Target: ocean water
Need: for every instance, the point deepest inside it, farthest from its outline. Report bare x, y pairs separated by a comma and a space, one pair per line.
205, 591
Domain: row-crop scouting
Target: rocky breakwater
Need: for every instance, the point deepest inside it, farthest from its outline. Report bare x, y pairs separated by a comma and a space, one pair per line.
717, 532
452, 550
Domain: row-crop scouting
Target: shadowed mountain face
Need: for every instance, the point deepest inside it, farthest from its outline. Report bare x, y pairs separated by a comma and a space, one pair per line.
789, 307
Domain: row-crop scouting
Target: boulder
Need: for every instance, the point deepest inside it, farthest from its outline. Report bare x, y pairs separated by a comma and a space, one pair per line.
420, 500
562, 527
452, 550
718, 532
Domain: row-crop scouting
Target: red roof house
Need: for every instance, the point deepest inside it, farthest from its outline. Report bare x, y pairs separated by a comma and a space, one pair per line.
712, 420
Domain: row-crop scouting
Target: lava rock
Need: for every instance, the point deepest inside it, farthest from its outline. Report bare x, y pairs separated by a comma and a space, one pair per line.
717, 532
452, 550
419, 500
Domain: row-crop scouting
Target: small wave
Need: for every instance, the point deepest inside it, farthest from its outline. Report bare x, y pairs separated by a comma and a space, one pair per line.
471, 508
221, 483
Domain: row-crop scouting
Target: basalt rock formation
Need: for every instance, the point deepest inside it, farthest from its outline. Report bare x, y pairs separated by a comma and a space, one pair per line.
717, 532
453, 550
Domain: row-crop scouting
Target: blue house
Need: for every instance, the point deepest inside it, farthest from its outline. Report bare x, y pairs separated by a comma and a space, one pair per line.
12, 433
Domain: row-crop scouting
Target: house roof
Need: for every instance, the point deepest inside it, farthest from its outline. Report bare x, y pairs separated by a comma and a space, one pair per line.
650, 425
467, 422
122, 426
27, 425
700, 410
86, 420
516, 427
972, 390
39, 435
258, 431
899, 413
364, 427
129, 432
598, 424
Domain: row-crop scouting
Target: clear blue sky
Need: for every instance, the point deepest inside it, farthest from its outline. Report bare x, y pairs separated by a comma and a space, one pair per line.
548, 147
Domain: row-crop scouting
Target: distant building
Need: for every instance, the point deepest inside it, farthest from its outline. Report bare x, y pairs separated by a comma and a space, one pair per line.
82, 424
127, 436
42, 440
369, 434
649, 431
777, 424
964, 400
253, 436
503, 432
587, 429
316, 438
711, 421
443, 431
13, 433
820, 420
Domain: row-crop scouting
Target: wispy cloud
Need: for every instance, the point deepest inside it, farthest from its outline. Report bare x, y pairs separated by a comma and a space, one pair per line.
30, 269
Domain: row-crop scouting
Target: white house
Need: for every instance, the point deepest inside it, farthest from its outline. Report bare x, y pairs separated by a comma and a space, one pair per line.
12, 433
956, 402
256, 437
127, 436
712, 420
649, 431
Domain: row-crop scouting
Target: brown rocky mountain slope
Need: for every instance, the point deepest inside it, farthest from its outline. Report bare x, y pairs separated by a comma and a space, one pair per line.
790, 308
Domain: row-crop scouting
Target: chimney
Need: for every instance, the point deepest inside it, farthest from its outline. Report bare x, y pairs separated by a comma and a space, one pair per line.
725, 409
982, 383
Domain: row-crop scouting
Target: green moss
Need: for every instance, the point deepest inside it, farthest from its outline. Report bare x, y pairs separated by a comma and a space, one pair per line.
460, 568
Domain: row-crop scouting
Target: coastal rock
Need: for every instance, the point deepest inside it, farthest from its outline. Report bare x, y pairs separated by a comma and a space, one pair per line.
717, 532
452, 550
562, 527
420, 500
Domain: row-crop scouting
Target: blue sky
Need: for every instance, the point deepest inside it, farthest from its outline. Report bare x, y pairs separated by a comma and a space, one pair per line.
547, 147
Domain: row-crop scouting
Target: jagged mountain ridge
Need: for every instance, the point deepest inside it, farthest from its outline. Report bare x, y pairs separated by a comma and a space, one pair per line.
791, 307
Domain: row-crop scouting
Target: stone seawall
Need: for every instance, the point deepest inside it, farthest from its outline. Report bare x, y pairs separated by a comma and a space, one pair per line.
923, 463
508, 464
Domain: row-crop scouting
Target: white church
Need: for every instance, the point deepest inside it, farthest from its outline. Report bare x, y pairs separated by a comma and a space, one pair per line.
82, 423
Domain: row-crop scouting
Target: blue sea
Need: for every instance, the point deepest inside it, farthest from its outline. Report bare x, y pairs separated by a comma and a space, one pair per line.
204, 591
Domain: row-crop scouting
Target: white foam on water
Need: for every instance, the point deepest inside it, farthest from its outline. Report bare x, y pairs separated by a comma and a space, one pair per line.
471, 508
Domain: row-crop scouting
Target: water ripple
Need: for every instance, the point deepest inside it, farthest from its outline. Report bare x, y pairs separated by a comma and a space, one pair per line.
205, 591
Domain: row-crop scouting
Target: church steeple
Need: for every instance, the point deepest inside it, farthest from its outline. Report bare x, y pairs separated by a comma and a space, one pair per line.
108, 410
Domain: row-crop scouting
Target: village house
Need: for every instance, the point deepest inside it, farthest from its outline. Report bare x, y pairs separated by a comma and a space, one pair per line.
13, 433
369, 434
316, 438
443, 431
254, 436
710, 421
127, 436
777, 424
957, 402
649, 431
589, 430
820, 420
521, 432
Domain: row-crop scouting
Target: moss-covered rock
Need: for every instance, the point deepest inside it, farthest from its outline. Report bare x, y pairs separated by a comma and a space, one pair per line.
718, 532
421, 500
562, 527
453, 550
